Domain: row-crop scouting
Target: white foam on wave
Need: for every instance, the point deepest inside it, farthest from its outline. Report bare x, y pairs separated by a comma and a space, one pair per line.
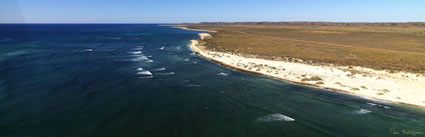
222, 74
136, 52
275, 117
139, 69
88, 50
195, 62
160, 69
186, 59
373, 104
167, 73
162, 48
377, 101
145, 72
138, 55
363, 111
149, 61
140, 58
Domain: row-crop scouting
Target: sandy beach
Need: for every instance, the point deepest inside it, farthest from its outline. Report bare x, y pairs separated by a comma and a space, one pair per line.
401, 87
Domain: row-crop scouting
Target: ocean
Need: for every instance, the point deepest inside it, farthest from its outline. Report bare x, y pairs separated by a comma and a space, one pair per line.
142, 80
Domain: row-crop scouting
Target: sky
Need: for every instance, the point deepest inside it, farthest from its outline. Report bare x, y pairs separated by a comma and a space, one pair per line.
194, 11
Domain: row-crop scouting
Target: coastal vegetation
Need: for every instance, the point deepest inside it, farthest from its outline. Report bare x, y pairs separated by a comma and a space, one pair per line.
271, 58
383, 46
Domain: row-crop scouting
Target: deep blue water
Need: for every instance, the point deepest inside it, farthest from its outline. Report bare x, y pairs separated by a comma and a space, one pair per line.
94, 80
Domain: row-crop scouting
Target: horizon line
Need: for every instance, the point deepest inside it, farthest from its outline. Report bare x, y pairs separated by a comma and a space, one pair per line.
214, 22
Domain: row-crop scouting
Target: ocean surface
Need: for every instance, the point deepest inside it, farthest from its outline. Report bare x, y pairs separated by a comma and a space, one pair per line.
140, 80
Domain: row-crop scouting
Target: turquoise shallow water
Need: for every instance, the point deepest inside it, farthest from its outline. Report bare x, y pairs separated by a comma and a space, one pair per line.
135, 80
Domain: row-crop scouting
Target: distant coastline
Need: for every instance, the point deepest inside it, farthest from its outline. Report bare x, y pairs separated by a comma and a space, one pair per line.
402, 87
186, 28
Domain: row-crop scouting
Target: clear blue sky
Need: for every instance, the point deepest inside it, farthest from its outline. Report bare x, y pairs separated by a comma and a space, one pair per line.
179, 11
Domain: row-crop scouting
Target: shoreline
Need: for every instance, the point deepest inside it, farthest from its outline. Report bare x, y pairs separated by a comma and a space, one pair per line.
402, 87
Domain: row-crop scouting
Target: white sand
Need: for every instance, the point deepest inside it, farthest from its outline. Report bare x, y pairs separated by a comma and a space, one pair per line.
402, 87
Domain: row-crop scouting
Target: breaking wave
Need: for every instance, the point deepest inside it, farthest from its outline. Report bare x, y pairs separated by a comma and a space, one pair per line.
160, 69
222, 74
377, 105
144, 73
167, 73
275, 117
136, 52
372, 104
88, 50
363, 111
140, 58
